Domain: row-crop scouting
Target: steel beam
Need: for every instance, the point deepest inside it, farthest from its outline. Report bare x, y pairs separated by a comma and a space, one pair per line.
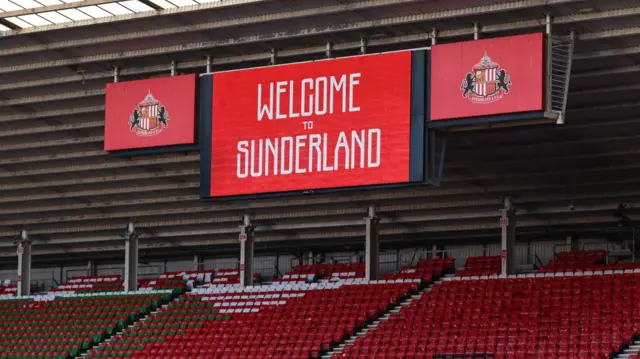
273, 36
130, 17
102, 166
62, 6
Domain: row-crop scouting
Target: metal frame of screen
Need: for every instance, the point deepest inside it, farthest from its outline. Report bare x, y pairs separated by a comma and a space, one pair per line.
419, 138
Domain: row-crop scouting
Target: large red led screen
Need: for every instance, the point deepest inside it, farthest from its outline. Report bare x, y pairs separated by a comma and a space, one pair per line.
315, 125
150, 113
487, 77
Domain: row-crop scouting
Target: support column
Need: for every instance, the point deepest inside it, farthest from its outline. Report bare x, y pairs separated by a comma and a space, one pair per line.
24, 264
198, 262
131, 259
508, 225
247, 238
372, 246
573, 242
307, 257
91, 268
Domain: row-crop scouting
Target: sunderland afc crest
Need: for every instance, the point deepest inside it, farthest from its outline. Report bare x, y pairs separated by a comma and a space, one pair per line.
486, 83
149, 118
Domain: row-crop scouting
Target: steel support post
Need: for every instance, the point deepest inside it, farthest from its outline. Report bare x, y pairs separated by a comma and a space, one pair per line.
174, 68
372, 246
24, 264
307, 258
209, 64
131, 259
247, 239
434, 37
91, 268
363, 45
476, 31
329, 52
198, 262
508, 226
274, 56
116, 74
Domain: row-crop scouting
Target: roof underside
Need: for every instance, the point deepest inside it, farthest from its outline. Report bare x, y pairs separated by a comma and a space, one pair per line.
56, 181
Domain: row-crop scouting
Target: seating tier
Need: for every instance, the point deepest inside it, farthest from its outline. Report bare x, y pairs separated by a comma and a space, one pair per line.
572, 317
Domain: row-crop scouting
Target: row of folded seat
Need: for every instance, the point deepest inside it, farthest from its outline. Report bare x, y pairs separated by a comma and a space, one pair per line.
7, 288
64, 326
335, 271
571, 317
580, 261
426, 270
283, 320
477, 266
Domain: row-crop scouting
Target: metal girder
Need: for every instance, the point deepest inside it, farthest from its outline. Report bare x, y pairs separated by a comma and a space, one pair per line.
190, 238
52, 113
49, 129
608, 34
51, 143
523, 202
578, 212
102, 166
273, 36
51, 157
151, 4
212, 25
606, 72
632, 50
61, 6
53, 97
99, 192
103, 179
130, 17
8, 24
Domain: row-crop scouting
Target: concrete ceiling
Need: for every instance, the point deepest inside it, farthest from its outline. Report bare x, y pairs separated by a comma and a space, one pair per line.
56, 181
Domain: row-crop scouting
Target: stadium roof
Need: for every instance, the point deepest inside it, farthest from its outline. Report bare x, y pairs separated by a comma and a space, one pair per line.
22, 14
56, 181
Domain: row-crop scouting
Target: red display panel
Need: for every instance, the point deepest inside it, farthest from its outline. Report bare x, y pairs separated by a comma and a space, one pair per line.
316, 125
150, 113
487, 77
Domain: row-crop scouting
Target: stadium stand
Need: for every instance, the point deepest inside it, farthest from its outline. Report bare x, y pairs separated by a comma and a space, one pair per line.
583, 315
476, 266
55, 326
7, 288
284, 320
578, 261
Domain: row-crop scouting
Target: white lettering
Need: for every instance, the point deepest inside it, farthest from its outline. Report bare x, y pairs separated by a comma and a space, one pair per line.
371, 162
299, 144
287, 142
242, 170
338, 86
280, 90
318, 97
352, 83
319, 152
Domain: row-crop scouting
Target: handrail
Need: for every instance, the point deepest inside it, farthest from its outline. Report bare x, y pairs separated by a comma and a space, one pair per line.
537, 260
